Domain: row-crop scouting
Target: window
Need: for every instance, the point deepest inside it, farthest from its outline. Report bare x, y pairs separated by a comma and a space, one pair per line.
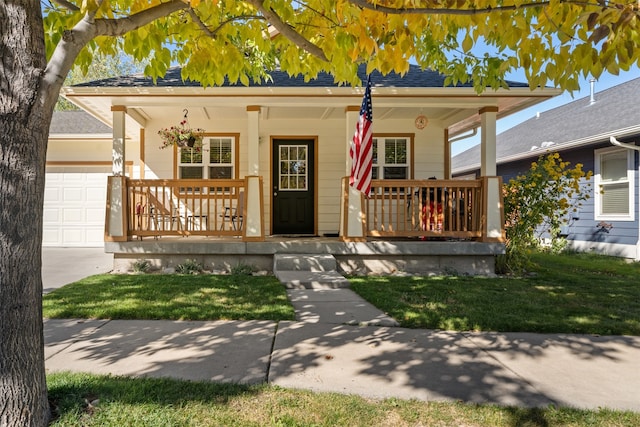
613, 179
215, 160
391, 158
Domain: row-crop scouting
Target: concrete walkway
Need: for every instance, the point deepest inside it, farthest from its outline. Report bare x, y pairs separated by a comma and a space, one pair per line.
61, 266
332, 346
520, 369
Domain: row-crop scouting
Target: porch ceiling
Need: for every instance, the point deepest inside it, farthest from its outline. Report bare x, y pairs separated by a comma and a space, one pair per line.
455, 108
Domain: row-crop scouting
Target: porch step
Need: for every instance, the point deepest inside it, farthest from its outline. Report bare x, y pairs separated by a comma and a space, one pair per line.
304, 262
301, 271
311, 279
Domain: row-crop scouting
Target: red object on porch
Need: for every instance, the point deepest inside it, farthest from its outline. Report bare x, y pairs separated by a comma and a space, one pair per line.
432, 217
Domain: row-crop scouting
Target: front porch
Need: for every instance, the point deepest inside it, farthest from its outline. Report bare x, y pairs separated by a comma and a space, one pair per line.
406, 226
397, 209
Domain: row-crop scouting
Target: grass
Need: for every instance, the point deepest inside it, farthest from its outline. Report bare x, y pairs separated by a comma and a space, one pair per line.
171, 297
568, 293
91, 400
577, 293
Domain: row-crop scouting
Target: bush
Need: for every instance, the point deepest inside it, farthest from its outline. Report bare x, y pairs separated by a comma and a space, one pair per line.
538, 203
242, 269
141, 266
189, 266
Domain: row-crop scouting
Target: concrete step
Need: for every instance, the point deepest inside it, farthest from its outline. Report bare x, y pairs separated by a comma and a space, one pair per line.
297, 279
304, 262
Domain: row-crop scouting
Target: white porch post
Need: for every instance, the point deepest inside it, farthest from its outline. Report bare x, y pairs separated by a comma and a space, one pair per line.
116, 224
488, 141
253, 217
352, 220
117, 150
493, 219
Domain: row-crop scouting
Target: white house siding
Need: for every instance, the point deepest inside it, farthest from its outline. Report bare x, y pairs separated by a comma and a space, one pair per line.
75, 191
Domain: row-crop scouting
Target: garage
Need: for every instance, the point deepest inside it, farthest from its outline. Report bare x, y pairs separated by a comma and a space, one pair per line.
74, 205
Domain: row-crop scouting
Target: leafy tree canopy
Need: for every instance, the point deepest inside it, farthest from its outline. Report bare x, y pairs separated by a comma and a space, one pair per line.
102, 67
553, 41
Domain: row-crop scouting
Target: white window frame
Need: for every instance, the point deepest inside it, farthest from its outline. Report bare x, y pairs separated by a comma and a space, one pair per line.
206, 157
380, 142
598, 185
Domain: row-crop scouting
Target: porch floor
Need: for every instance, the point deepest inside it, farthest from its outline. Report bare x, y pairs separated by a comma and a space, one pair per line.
380, 256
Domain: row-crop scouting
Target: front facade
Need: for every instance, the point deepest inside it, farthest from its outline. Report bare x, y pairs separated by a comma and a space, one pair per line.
274, 161
582, 132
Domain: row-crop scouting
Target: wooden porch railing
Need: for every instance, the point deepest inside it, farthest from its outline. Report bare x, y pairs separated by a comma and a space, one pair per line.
424, 208
185, 207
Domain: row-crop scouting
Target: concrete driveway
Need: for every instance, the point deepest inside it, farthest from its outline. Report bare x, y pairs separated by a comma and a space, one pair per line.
61, 266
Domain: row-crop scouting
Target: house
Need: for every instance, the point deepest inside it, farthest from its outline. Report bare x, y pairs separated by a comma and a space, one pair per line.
272, 174
582, 131
76, 183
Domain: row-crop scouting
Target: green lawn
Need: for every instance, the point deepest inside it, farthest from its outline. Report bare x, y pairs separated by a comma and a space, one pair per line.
568, 293
584, 294
172, 297
118, 401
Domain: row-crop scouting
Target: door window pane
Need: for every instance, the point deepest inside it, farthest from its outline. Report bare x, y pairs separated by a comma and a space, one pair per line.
293, 167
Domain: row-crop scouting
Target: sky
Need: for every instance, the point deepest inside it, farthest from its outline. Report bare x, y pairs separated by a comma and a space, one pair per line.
604, 82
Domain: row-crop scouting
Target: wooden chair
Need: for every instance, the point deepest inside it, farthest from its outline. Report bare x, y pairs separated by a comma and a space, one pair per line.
234, 215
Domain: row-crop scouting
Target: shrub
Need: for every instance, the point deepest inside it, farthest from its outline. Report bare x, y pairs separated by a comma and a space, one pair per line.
189, 266
242, 269
141, 266
539, 202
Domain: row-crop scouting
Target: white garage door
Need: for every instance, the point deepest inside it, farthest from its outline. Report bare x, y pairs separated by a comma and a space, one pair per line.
74, 206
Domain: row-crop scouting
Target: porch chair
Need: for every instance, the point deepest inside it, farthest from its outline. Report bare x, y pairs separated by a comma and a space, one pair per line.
234, 215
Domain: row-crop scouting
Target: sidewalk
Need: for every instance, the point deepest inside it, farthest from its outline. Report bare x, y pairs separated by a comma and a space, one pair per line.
320, 352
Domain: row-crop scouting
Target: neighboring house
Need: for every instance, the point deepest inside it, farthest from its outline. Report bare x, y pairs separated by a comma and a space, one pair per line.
581, 132
272, 175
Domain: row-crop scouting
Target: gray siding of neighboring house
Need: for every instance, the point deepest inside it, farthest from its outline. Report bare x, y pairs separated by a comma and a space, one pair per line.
586, 229
583, 228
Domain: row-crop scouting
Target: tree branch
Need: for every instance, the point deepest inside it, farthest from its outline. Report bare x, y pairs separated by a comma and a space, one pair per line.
287, 31
443, 11
212, 33
74, 40
67, 5
121, 26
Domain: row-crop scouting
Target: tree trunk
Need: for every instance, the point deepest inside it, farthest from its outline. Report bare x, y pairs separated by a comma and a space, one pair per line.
25, 116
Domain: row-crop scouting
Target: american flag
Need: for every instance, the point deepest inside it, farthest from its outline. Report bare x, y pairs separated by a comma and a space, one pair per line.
361, 151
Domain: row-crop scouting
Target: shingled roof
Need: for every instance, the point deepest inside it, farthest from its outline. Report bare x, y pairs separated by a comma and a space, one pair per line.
76, 123
415, 77
615, 111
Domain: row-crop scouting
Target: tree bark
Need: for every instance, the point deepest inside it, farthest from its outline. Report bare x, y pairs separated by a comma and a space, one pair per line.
25, 116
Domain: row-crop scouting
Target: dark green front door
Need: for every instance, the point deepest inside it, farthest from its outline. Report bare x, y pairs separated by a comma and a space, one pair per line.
293, 186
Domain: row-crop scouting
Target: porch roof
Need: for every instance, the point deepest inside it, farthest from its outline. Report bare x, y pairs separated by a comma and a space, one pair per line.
395, 96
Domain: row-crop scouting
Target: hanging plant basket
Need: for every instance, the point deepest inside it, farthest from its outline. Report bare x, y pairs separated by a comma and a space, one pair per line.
181, 136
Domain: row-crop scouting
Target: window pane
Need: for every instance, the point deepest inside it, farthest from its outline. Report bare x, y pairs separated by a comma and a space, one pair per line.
613, 166
284, 183
190, 155
615, 198
395, 172
220, 150
375, 151
395, 151
302, 182
389, 151
190, 172
374, 173
220, 172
